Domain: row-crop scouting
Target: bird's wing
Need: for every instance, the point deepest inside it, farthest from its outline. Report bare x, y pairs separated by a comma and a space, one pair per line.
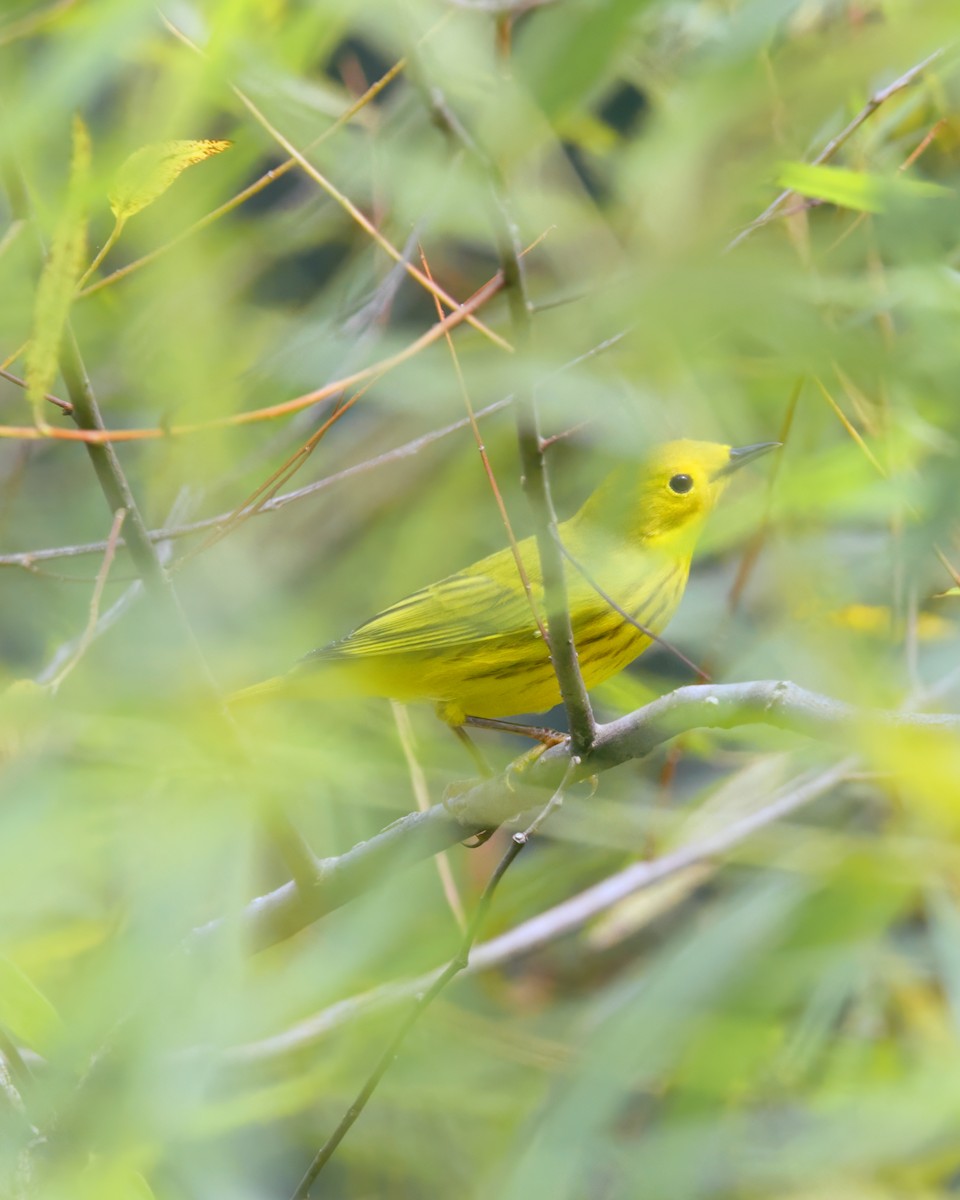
465, 608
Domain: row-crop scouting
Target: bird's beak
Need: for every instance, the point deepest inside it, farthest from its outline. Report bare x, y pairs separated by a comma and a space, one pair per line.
739, 455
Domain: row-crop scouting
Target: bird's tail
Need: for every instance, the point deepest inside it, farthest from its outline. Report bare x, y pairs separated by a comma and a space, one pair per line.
259, 691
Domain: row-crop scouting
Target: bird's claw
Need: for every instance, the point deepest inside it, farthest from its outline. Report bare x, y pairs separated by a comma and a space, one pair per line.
480, 838
450, 793
526, 760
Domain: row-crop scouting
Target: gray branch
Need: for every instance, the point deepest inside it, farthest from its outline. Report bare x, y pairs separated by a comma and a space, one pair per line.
535, 478
564, 918
284, 912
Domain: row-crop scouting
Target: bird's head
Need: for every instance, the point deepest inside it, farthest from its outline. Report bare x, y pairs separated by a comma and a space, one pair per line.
672, 490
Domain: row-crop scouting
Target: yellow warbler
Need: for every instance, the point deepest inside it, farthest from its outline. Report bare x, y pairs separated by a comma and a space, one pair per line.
471, 644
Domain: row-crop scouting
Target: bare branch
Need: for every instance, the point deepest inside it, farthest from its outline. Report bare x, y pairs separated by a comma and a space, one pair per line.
765, 702
563, 919
282, 913
536, 483
64, 405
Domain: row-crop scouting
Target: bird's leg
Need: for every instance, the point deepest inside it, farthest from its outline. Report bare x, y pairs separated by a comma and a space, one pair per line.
544, 737
537, 733
474, 751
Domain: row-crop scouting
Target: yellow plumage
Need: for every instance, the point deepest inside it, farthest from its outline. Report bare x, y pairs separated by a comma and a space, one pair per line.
470, 643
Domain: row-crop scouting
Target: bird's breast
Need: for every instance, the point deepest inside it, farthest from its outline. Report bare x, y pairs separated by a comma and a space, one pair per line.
613, 623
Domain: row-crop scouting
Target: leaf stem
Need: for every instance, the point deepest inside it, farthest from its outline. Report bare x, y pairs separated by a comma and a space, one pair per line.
104, 250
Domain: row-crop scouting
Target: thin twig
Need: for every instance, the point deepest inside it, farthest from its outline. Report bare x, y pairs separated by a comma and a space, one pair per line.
27, 559
24, 346
631, 619
93, 616
262, 495
421, 794
124, 601
65, 405
907, 163
572, 431
830, 149
266, 491
10, 235
341, 199
457, 964
488, 470
947, 565
882, 472
101, 436
33, 23
108, 245
851, 429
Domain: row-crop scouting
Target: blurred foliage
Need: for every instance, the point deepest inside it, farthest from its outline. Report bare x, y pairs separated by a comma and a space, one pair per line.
785, 1024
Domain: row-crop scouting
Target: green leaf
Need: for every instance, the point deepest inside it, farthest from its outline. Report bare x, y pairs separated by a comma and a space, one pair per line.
854, 189
149, 171
25, 1010
58, 281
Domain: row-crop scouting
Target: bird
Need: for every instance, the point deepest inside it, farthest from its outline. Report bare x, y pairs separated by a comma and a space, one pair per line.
473, 644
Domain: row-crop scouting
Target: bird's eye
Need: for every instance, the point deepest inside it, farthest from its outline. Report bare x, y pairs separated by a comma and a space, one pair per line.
681, 484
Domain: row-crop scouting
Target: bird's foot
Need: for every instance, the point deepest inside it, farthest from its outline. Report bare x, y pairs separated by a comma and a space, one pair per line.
459, 788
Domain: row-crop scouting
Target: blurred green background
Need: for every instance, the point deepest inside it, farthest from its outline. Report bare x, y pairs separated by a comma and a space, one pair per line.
783, 1023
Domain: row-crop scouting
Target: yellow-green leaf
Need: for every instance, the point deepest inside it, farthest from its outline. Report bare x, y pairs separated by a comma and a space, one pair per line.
149, 171
60, 274
63, 942
853, 189
113, 1178
25, 1010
